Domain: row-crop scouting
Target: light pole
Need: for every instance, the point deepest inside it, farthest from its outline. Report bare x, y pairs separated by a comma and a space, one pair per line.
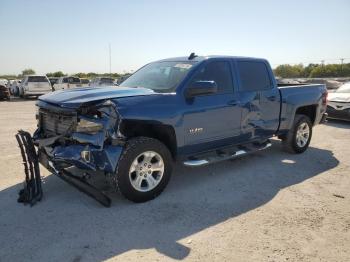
110, 60
341, 65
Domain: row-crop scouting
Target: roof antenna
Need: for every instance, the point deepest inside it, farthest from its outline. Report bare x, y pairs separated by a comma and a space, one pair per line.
192, 55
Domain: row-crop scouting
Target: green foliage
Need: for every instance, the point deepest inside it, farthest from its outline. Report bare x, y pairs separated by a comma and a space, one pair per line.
28, 71
331, 70
93, 75
313, 70
9, 77
286, 70
55, 74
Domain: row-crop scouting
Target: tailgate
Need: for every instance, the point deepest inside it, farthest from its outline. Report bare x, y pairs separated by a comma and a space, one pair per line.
39, 86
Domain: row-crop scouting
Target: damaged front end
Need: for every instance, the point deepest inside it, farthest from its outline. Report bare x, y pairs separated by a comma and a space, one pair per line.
86, 137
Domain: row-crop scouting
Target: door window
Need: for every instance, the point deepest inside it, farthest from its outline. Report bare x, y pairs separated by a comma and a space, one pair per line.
254, 76
218, 71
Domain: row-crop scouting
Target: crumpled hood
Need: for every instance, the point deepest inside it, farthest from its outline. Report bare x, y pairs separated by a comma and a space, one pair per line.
75, 97
339, 97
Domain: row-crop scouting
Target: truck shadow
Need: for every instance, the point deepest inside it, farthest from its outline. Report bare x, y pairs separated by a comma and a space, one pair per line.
67, 225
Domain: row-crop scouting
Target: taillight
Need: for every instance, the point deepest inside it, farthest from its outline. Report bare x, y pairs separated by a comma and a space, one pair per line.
325, 98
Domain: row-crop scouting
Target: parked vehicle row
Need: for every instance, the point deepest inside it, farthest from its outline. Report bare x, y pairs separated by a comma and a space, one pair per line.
36, 85
329, 83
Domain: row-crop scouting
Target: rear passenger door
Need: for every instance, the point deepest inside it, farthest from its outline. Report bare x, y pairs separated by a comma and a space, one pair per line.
260, 99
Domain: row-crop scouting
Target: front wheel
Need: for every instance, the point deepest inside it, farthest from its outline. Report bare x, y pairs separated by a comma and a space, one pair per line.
144, 169
299, 136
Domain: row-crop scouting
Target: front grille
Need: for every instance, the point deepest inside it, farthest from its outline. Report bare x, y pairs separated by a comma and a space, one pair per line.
52, 124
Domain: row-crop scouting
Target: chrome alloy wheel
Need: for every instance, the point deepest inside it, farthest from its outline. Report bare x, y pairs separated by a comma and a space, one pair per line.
146, 171
303, 134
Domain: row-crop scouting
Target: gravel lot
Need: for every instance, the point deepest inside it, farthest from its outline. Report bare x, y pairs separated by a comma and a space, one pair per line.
269, 206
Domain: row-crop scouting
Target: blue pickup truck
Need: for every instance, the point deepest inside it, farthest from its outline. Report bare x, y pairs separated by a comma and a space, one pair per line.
195, 110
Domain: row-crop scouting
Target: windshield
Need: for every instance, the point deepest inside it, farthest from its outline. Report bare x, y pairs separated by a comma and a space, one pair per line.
161, 77
344, 88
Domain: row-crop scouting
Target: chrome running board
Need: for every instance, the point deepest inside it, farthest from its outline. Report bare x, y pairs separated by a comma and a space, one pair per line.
221, 155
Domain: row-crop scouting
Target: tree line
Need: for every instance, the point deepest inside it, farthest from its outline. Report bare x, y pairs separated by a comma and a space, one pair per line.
284, 71
313, 70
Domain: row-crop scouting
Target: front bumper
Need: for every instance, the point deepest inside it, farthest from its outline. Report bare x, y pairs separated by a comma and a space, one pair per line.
81, 156
338, 114
32, 191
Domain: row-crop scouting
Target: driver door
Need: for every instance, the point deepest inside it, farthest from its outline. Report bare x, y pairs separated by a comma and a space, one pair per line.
212, 121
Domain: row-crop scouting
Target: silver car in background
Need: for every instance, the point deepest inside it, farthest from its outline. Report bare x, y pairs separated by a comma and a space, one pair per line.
339, 103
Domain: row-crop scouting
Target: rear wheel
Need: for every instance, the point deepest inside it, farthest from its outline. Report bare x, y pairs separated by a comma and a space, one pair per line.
299, 136
144, 169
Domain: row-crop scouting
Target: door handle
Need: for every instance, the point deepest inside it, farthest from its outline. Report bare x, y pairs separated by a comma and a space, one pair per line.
233, 103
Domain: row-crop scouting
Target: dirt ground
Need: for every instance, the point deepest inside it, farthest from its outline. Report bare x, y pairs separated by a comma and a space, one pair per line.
269, 206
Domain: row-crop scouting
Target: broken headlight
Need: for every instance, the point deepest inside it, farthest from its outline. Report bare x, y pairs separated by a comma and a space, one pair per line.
90, 127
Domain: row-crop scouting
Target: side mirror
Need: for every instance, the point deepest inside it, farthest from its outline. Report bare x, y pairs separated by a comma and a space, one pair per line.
199, 88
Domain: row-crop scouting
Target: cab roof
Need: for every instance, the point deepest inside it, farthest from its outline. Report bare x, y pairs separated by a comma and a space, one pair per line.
202, 58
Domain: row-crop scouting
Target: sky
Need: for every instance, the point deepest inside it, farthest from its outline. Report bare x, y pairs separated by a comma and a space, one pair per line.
74, 36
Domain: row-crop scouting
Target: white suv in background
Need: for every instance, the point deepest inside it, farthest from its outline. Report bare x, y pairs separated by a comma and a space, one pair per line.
102, 81
67, 82
34, 86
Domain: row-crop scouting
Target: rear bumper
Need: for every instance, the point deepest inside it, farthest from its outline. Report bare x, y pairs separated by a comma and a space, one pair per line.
35, 93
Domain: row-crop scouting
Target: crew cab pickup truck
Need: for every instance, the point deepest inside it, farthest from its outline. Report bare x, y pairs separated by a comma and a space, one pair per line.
194, 110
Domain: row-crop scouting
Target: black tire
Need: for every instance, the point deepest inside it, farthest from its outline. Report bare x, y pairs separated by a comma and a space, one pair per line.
132, 150
290, 140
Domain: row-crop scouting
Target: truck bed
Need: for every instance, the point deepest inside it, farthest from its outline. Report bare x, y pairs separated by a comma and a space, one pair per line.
295, 85
296, 96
